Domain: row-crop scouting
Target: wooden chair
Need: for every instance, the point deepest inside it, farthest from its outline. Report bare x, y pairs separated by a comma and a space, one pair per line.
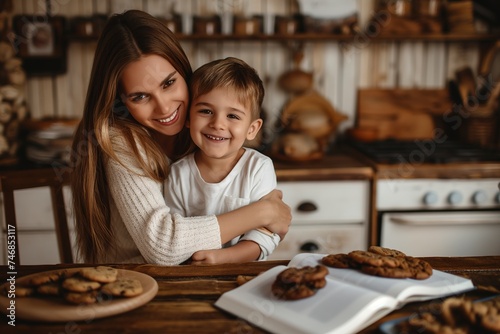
10, 182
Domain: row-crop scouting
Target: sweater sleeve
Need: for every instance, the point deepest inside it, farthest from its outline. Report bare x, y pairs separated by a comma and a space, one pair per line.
161, 238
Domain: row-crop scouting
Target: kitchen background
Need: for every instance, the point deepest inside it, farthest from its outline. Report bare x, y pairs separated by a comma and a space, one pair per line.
340, 66
368, 61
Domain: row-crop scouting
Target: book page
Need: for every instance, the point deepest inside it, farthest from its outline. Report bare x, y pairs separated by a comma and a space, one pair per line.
405, 290
338, 308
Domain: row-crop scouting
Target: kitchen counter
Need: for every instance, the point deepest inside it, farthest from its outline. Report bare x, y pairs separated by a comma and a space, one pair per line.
339, 165
335, 166
184, 302
414, 169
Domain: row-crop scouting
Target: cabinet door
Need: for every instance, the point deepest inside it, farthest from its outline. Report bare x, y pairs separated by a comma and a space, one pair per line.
327, 202
339, 238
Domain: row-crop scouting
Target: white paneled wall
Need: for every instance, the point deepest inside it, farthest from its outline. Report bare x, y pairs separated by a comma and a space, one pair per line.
340, 68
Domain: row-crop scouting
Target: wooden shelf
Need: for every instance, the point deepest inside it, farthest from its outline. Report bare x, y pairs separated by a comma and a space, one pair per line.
311, 37
347, 38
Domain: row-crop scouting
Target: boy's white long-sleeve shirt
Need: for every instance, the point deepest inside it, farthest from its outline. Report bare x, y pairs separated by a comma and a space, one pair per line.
252, 177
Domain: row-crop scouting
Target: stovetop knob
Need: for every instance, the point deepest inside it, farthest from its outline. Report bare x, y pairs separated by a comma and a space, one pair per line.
479, 197
454, 197
430, 198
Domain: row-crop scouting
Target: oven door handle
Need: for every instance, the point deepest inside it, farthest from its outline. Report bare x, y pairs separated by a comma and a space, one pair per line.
466, 220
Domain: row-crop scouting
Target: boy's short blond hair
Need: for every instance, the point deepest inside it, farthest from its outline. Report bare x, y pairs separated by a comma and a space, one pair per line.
230, 73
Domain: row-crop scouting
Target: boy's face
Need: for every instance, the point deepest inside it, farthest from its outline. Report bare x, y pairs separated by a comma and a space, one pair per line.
219, 123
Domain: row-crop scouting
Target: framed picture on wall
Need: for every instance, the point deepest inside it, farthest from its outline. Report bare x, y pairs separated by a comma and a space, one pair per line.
40, 41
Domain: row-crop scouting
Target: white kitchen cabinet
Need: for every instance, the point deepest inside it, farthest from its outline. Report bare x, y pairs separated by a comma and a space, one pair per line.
327, 217
36, 227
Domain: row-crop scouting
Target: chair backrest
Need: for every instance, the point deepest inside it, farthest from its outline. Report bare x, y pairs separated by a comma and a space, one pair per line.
37, 178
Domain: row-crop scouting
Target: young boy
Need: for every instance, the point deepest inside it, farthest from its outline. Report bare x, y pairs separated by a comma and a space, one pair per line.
222, 175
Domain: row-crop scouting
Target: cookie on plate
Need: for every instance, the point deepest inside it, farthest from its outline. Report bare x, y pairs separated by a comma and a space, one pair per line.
80, 284
123, 287
81, 297
101, 274
50, 289
24, 291
44, 278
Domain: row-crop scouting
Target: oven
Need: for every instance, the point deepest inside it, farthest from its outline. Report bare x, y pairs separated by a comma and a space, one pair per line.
439, 202
429, 217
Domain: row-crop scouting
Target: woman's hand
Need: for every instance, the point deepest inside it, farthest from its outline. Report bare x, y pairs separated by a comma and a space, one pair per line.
280, 215
269, 212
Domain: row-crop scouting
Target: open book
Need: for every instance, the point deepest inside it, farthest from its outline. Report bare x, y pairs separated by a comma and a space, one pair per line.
350, 301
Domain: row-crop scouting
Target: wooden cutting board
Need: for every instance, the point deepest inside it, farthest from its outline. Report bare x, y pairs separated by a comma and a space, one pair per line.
401, 114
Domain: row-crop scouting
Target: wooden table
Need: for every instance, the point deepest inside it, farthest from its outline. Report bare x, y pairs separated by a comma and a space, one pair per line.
184, 303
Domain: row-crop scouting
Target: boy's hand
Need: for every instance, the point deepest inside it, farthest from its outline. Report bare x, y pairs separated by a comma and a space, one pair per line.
212, 256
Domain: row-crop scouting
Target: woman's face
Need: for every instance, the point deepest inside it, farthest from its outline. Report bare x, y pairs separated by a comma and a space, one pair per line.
155, 94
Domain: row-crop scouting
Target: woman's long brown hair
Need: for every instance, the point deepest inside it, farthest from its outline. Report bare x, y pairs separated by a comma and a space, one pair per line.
125, 38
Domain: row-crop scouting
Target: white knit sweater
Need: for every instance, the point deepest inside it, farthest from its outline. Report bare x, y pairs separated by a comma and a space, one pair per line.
143, 228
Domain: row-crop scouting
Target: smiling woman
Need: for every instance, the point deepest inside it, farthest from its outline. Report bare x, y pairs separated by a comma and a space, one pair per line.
162, 99
132, 126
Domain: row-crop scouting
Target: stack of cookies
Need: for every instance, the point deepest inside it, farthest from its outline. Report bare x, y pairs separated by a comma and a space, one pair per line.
456, 315
81, 286
380, 261
298, 283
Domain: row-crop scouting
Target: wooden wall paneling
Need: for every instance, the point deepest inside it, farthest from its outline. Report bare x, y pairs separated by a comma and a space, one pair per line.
253, 7
327, 72
374, 66
64, 83
119, 6
347, 87
33, 7
46, 88
268, 75
18, 6
419, 65
275, 64
159, 8
390, 64
185, 8
385, 65
436, 65
33, 98
365, 11
229, 49
252, 53
406, 65
363, 45
366, 57
102, 7
321, 76
28, 7
461, 55
205, 7
72, 85
274, 96
276, 61
206, 51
